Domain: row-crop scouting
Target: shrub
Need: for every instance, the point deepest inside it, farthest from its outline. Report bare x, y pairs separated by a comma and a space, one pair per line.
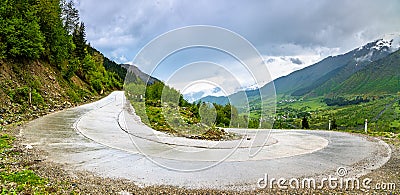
21, 96
96, 84
73, 96
36, 98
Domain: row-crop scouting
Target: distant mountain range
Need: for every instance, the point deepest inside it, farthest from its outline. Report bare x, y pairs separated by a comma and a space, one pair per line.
372, 68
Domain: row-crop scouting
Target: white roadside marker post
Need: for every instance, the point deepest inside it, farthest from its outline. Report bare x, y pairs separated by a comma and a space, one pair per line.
366, 126
329, 127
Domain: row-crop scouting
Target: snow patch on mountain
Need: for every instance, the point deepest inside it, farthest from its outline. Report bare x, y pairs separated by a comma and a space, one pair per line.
365, 57
391, 42
382, 44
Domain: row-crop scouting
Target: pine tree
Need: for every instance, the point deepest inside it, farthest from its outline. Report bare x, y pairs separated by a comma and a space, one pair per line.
304, 123
79, 39
69, 15
58, 45
334, 125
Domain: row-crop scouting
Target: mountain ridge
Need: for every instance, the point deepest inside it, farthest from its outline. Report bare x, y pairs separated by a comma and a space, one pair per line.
133, 73
320, 78
381, 76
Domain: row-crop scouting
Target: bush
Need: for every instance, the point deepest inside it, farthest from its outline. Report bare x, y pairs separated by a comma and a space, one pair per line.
34, 82
73, 96
36, 98
69, 70
3, 50
96, 84
21, 96
5, 141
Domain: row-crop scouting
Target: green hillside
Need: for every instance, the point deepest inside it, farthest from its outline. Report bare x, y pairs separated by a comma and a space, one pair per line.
379, 77
355, 91
164, 109
45, 65
370, 93
307, 78
356, 60
45, 62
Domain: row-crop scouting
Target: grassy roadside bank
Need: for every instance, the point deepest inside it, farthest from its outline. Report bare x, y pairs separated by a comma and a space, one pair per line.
18, 174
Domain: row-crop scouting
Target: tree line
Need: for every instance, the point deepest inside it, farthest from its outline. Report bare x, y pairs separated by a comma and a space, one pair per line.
341, 101
158, 92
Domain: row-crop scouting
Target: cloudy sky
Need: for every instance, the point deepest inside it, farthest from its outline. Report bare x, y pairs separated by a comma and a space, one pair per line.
288, 34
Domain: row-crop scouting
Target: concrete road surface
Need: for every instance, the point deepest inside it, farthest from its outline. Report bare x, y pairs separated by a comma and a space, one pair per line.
107, 138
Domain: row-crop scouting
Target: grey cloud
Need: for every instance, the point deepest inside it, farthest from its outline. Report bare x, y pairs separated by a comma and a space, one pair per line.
270, 60
275, 27
296, 61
